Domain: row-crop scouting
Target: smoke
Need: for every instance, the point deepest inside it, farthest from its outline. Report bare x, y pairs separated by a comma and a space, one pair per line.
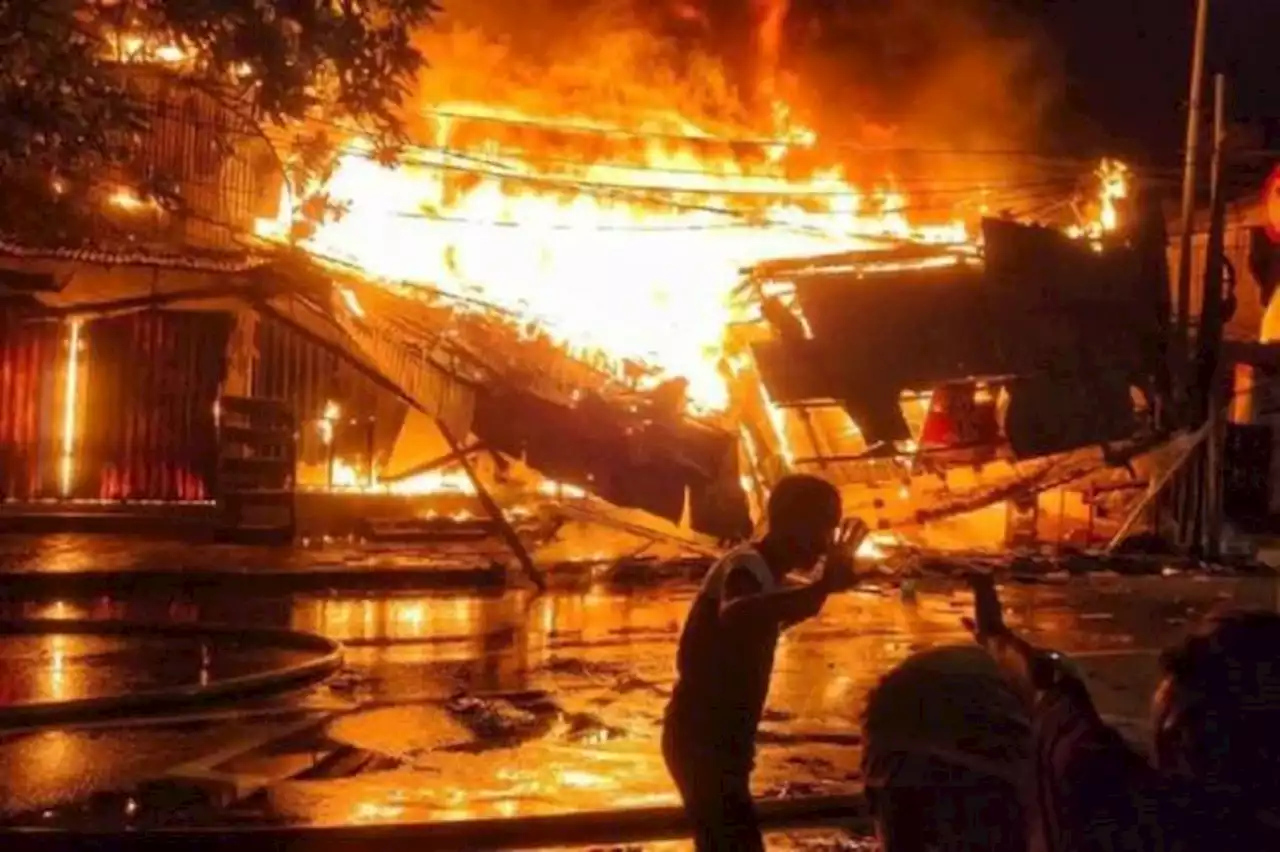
923, 84
963, 70
620, 61
943, 76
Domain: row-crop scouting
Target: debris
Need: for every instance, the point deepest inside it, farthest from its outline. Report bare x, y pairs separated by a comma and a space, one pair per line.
497, 722
348, 761
588, 728
578, 667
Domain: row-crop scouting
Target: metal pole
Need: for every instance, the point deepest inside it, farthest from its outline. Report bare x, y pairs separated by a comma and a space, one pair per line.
1182, 330
1211, 328
1219, 134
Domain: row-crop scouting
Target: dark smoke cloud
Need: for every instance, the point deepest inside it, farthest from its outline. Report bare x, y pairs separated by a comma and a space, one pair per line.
935, 80
608, 59
974, 72
929, 80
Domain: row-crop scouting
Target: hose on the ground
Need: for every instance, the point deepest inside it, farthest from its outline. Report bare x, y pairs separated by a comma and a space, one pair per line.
325, 660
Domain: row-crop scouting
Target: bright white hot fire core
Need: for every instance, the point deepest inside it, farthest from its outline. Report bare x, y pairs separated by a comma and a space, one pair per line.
634, 260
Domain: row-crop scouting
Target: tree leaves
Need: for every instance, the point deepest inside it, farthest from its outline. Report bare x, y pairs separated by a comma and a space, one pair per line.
70, 109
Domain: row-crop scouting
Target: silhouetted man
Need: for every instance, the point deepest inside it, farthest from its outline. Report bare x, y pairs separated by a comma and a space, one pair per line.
726, 654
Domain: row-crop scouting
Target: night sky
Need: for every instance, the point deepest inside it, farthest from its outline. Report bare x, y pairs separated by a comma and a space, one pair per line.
1109, 75
1127, 63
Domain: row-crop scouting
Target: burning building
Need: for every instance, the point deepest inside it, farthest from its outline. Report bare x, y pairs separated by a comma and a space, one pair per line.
640, 323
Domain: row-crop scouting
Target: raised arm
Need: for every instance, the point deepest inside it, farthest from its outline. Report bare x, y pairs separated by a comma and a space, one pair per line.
1094, 791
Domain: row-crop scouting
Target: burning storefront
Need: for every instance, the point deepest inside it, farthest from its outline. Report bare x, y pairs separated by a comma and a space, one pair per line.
933, 381
538, 319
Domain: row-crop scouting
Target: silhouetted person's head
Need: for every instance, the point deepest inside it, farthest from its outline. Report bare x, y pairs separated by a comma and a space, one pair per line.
947, 756
804, 512
1217, 707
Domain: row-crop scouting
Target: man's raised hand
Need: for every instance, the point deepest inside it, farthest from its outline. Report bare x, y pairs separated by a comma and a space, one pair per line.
837, 570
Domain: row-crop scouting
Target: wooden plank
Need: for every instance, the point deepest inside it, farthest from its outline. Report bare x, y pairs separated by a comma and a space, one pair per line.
507, 532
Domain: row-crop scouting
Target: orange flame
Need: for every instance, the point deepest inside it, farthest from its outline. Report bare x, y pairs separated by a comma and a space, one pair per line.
637, 262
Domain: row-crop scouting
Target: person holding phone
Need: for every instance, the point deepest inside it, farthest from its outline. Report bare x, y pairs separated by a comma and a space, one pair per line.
1215, 783
725, 657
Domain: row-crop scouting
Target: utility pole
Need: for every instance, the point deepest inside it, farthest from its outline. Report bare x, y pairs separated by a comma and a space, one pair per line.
1208, 373
1182, 326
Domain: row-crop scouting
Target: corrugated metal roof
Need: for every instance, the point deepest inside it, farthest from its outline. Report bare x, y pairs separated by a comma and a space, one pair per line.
10, 247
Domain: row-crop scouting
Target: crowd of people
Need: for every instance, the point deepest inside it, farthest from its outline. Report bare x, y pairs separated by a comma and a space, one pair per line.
994, 745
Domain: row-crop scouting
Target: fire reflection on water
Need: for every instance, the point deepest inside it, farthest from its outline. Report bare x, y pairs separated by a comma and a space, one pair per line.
604, 661
609, 656
57, 667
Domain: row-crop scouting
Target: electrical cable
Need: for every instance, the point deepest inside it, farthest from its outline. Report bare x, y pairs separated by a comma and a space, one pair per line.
768, 142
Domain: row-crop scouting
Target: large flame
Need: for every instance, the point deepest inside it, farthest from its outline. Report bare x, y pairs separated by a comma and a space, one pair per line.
630, 251
635, 260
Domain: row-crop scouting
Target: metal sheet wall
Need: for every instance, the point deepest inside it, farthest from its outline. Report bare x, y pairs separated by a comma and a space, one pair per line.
147, 428
31, 357
293, 368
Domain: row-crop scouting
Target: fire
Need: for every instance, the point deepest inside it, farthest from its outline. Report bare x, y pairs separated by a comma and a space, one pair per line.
346, 476
1113, 179
137, 47
343, 475
1115, 187
876, 546
325, 424
127, 199
633, 260
560, 490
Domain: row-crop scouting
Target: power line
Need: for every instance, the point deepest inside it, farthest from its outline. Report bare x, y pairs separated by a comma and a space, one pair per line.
487, 167
747, 141
568, 182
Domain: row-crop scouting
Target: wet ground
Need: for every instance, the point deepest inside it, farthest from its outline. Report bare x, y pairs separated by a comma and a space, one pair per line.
70, 553
454, 706
65, 667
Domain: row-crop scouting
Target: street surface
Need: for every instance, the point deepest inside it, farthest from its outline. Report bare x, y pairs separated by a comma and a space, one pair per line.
455, 705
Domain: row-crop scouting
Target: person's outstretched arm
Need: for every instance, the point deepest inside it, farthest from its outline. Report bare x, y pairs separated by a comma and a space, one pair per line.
745, 603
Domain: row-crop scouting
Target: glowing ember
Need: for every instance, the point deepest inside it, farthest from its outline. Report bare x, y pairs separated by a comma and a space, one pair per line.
140, 48
876, 546
128, 200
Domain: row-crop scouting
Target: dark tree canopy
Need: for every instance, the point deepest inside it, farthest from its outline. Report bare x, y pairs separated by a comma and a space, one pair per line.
77, 78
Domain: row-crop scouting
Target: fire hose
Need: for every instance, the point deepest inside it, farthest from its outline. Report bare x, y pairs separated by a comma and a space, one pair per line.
326, 659
611, 827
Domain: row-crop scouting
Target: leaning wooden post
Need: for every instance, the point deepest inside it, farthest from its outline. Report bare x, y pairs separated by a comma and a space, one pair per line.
495, 511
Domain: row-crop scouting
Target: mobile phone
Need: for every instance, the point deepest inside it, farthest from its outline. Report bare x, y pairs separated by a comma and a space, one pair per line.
988, 615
